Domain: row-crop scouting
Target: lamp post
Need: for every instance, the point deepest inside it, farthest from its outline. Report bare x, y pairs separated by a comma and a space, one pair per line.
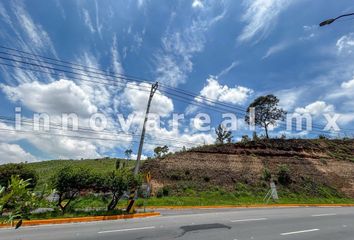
331, 20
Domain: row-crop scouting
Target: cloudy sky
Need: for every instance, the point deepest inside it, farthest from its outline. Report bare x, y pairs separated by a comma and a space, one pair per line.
227, 51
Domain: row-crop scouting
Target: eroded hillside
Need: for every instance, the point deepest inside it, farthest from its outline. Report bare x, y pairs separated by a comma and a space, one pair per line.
310, 163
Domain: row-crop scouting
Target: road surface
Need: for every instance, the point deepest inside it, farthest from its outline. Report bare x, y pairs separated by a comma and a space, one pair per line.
230, 224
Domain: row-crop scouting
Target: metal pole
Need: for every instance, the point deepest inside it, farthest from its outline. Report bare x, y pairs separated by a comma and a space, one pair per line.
137, 165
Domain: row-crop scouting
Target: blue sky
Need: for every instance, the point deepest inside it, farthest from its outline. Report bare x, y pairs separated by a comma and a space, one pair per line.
230, 51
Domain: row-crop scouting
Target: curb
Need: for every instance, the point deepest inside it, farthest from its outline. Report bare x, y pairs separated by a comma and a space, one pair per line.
82, 219
251, 206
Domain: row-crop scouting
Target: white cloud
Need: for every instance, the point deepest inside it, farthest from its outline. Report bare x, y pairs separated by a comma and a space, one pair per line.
61, 147
197, 4
141, 3
316, 108
87, 20
346, 90
179, 47
275, 49
261, 16
215, 91
135, 156
288, 98
34, 31
13, 153
136, 97
58, 97
117, 66
345, 44
228, 69
175, 60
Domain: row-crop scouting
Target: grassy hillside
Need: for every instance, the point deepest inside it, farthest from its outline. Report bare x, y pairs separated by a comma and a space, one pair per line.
47, 169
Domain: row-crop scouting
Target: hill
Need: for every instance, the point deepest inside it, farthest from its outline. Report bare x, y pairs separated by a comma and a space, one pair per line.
317, 167
46, 169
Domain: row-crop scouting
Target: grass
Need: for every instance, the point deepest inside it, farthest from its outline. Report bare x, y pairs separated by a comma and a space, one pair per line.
201, 201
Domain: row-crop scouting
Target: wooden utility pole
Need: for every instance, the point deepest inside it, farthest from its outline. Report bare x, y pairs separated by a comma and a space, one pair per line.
152, 92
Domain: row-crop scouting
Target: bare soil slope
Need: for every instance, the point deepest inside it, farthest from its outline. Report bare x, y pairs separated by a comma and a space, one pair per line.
322, 162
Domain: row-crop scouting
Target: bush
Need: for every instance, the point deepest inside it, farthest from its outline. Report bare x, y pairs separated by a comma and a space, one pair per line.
68, 182
17, 200
159, 193
284, 177
322, 136
20, 170
245, 139
206, 179
266, 175
163, 192
255, 137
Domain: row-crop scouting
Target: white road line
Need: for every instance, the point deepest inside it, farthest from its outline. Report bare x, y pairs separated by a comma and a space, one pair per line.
302, 231
249, 220
324, 214
127, 229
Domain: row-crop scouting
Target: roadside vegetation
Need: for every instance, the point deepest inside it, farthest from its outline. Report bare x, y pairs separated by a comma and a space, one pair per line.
19, 200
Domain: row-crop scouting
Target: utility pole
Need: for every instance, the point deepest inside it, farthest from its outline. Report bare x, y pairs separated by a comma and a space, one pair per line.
152, 92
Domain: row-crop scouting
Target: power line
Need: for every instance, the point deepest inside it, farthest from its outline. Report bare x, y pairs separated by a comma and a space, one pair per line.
88, 130
179, 98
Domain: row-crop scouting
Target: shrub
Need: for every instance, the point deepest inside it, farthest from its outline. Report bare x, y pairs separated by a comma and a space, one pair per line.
255, 136
18, 200
206, 179
245, 139
20, 170
322, 136
159, 193
266, 175
284, 177
165, 191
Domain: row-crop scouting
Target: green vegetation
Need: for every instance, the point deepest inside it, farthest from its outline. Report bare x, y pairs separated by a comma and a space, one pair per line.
17, 200
21, 170
223, 135
266, 112
47, 169
70, 181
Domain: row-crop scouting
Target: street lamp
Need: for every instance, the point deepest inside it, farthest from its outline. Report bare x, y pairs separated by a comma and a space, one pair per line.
331, 20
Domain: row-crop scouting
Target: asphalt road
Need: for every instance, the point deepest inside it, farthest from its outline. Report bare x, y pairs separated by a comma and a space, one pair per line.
231, 224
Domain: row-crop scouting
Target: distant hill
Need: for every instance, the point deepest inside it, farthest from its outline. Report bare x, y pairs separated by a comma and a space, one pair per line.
315, 167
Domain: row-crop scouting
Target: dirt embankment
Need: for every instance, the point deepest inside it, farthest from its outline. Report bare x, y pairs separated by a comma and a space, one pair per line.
324, 162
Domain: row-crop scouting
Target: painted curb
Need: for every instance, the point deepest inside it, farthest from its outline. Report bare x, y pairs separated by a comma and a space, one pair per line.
82, 219
251, 206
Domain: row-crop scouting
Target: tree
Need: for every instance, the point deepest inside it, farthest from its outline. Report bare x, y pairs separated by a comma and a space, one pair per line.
21, 170
160, 151
266, 112
222, 135
68, 182
128, 153
116, 183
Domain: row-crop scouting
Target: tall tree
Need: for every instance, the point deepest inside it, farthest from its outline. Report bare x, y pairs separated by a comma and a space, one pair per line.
222, 135
266, 112
128, 153
160, 151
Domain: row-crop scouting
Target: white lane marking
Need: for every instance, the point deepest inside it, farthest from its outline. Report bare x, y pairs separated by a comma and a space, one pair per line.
127, 229
324, 214
302, 231
249, 220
